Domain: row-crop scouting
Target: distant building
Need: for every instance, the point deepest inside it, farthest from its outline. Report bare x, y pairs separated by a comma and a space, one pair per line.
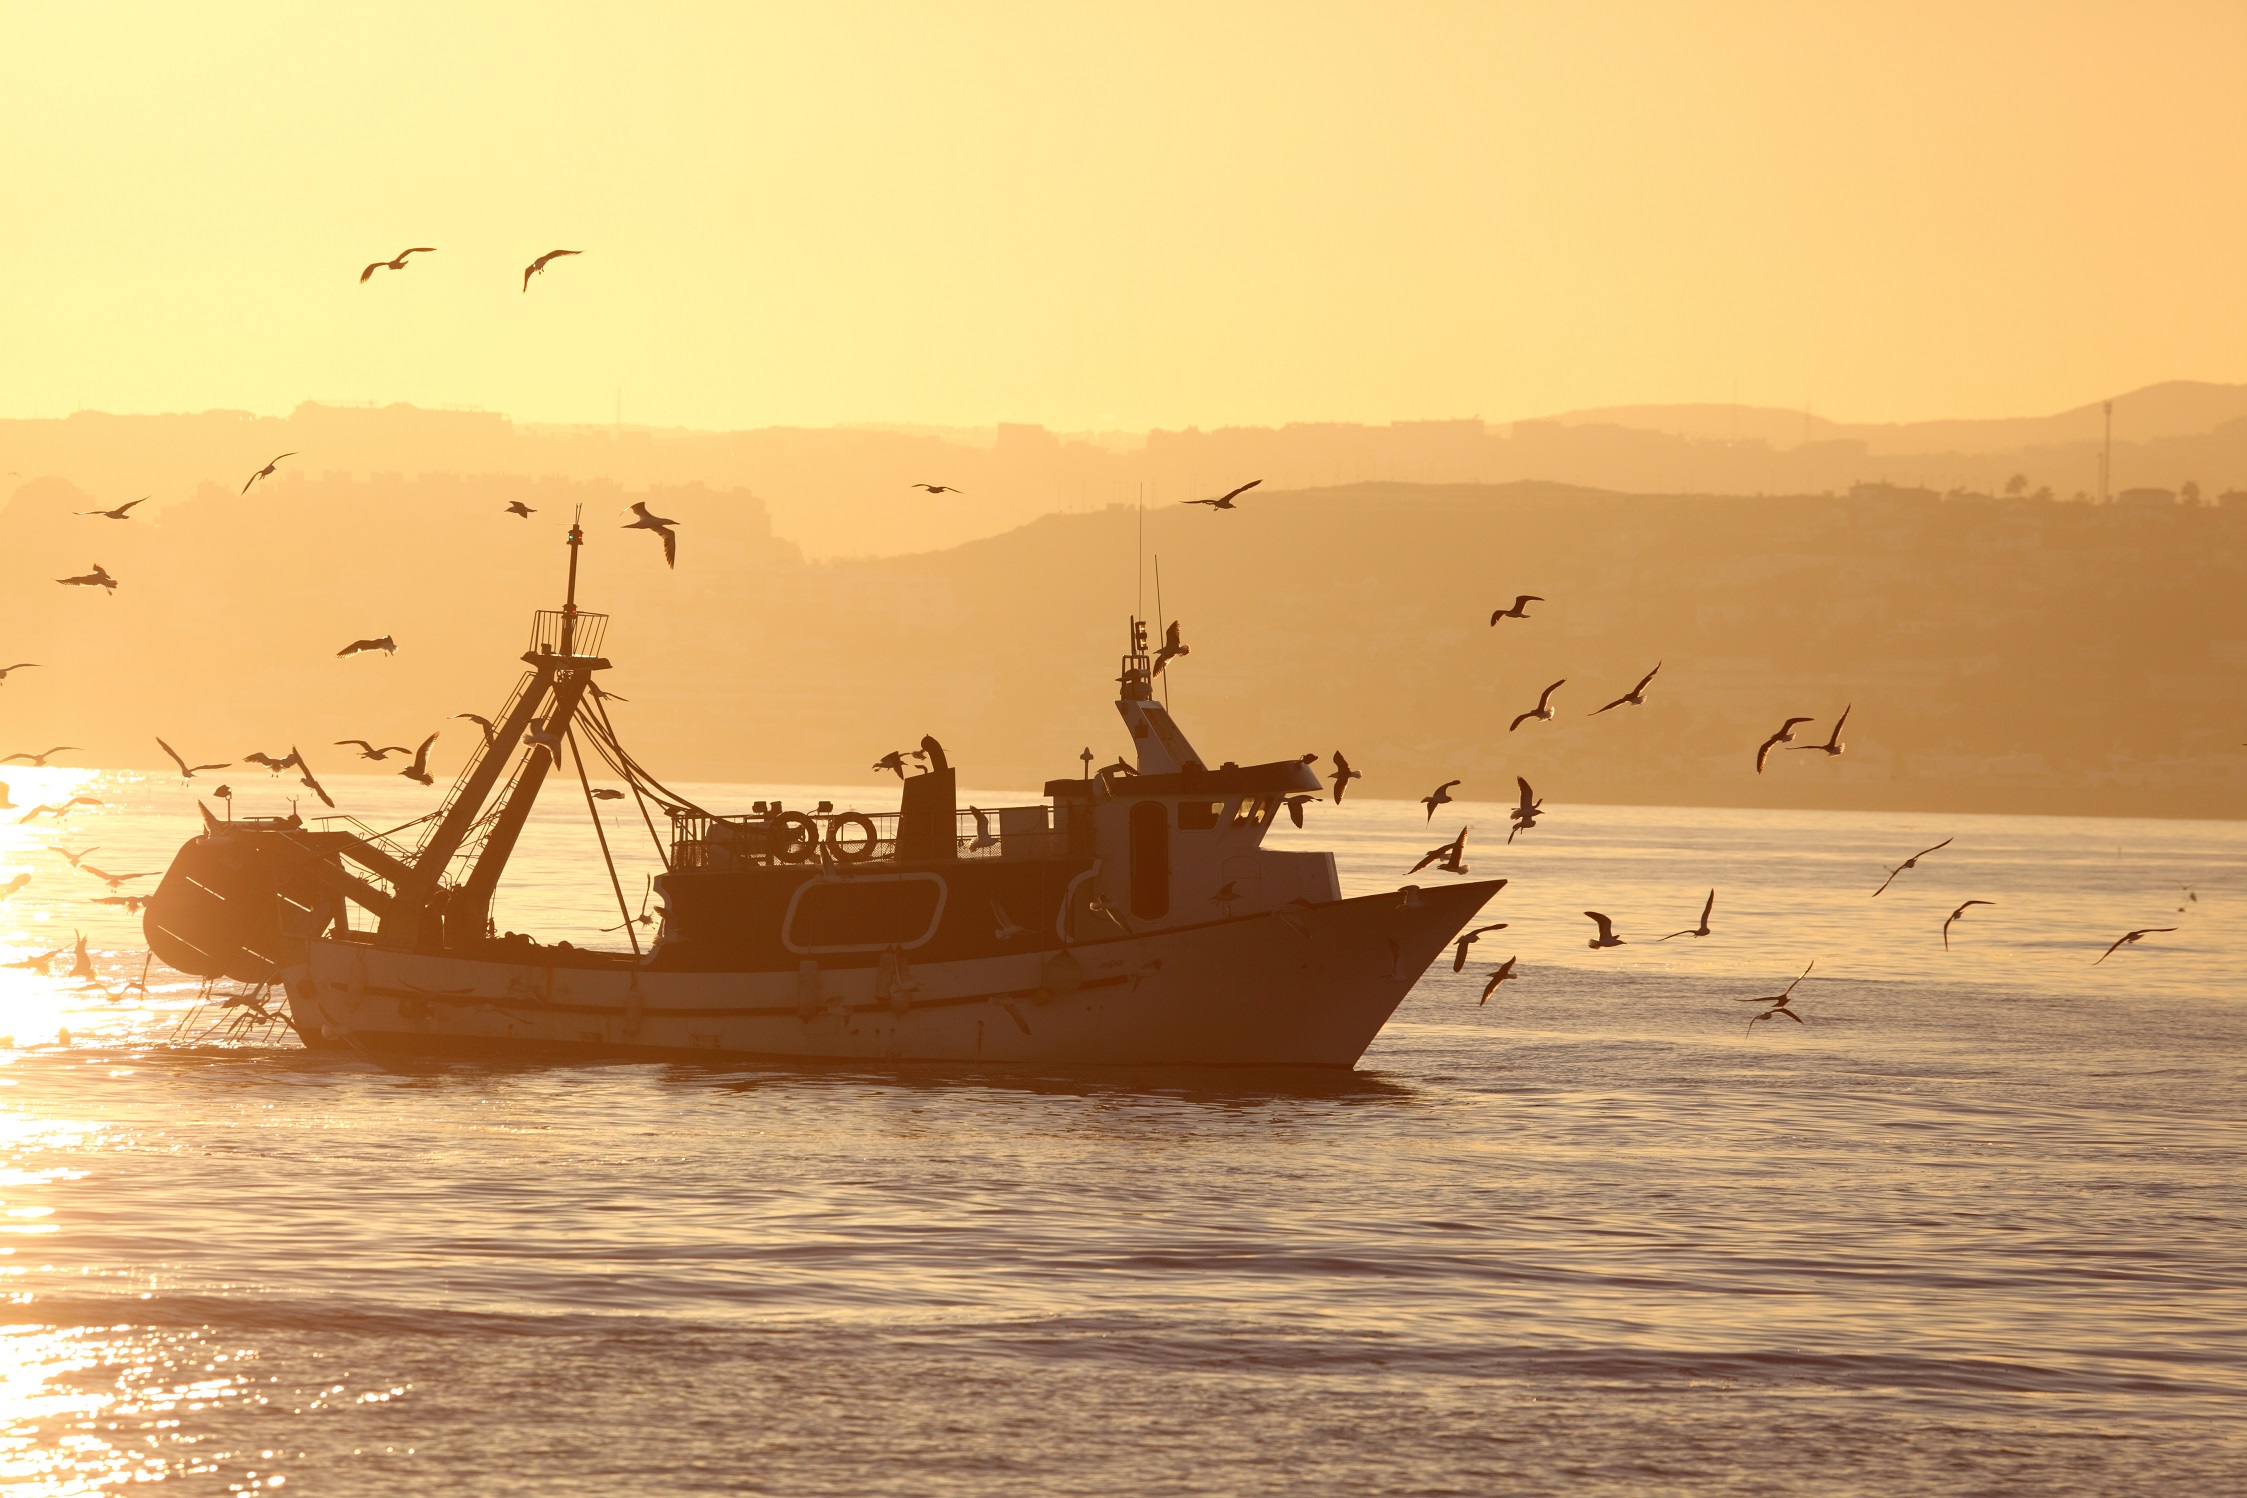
2233, 499
2146, 497
1889, 491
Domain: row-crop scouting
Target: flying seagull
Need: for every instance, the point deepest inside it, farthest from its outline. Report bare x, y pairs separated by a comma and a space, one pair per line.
1954, 915
937, 488
517, 507
419, 769
122, 512
606, 793
538, 266
397, 264
2129, 938
1909, 863
1778, 1001
266, 472
1607, 936
113, 880
649, 521
310, 781
1440, 796
1505, 971
481, 722
1543, 711
1635, 697
98, 578
1294, 805
1833, 743
1702, 929
1518, 611
1225, 501
18, 666
72, 858
1785, 735
1171, 648
386, 645
1447, 858
1526, 813
38, 761
1342, 776
186, 770
273, 766
1459, 951
894, 760
370, 751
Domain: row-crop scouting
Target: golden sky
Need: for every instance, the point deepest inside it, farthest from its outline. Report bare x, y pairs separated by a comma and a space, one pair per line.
1119, 216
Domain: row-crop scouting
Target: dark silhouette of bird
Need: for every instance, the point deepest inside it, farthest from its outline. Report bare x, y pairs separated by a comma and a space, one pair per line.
1779, 1001
1954, 915
1833, 743
1702, 929
604, 793
1505, 971
370, 751
98, 578
894, 760
63, 810
538, 266
1225, 501
1785, 735
1294, 805
39, 963
418, 771
1525, 812
72, 858
1909, 863
38, 761
18, 666
399, 263
1607, 936
483, 723
937, 488
1635, 697
1440, 796
2131, 938
984, 836
1448, 857
122, 512
113, 880
130, 902
266, 472
308, 780
1171, 648
1518, 611
1543, 711
81, 965
650, 521
272, 765
1342, 776
187, 771
1227, 893
385, 644
1459, 948
15, 886
517, 507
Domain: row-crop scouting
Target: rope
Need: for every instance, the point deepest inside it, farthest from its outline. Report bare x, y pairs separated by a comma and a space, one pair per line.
594, 812
640, 800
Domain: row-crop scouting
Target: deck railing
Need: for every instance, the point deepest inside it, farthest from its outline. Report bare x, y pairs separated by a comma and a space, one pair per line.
703, 841
555, 632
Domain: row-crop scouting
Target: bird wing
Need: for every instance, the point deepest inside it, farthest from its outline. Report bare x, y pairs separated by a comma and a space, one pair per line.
1835, 736
1649, 676
1527, 800
1799, 977
419, 249
174, 753
1243, 489
1606, 926
640, 508
1547, 695
1922, 853
1524, 718
421, 755
221, 765
340, 743
670, 547
370, 270
1618, 702
1891, 879
1708, 906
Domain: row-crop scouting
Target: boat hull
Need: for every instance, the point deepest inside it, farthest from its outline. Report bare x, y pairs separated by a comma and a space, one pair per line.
1310, 986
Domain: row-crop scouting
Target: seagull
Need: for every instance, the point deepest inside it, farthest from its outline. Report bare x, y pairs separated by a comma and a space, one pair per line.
419, 769
72, 858
265, 473
650, 521
1342, 776
369, 751
600, 793
1526, 814
18, 666
2128, 938
538, 266
187, 771
1778, 1001
1505, 971
1294, 805
81, 965
1226, 894
15, 887
98, 578
386, 645
120, 513
1607, 936
1703, 928
39, 963
1440, 796
1459, 952
1225, 501
397, 264
937, 488
1909, 863
1008, 928
38, 761
1446, 857
130, 902
481, 722
983, 836
273, 766
1785, 735
309, 781
1954, 915
518, 508
63, 810
894, 760
1635, 697
1543, 711
1172, 647
1833, 743
113, 880
1518, 611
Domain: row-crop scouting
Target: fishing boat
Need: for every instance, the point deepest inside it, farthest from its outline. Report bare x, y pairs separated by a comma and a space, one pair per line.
1132, 917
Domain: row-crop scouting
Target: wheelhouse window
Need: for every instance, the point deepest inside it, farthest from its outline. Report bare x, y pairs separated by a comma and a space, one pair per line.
1198, 816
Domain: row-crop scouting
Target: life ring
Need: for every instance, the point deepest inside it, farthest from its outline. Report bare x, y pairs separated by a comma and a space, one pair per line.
852, 852
794, 836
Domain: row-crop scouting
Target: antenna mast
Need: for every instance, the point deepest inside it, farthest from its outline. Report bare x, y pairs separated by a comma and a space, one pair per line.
569, 602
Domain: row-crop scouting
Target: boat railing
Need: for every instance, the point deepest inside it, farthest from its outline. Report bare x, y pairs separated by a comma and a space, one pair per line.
701, 840
560, 632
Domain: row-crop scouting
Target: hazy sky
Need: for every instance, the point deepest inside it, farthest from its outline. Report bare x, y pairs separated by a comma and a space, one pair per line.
1119, 216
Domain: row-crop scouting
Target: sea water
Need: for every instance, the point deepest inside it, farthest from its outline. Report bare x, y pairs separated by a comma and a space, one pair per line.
1975, 1225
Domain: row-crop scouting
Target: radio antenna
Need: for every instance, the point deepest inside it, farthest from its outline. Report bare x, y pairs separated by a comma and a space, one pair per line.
1159, 621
